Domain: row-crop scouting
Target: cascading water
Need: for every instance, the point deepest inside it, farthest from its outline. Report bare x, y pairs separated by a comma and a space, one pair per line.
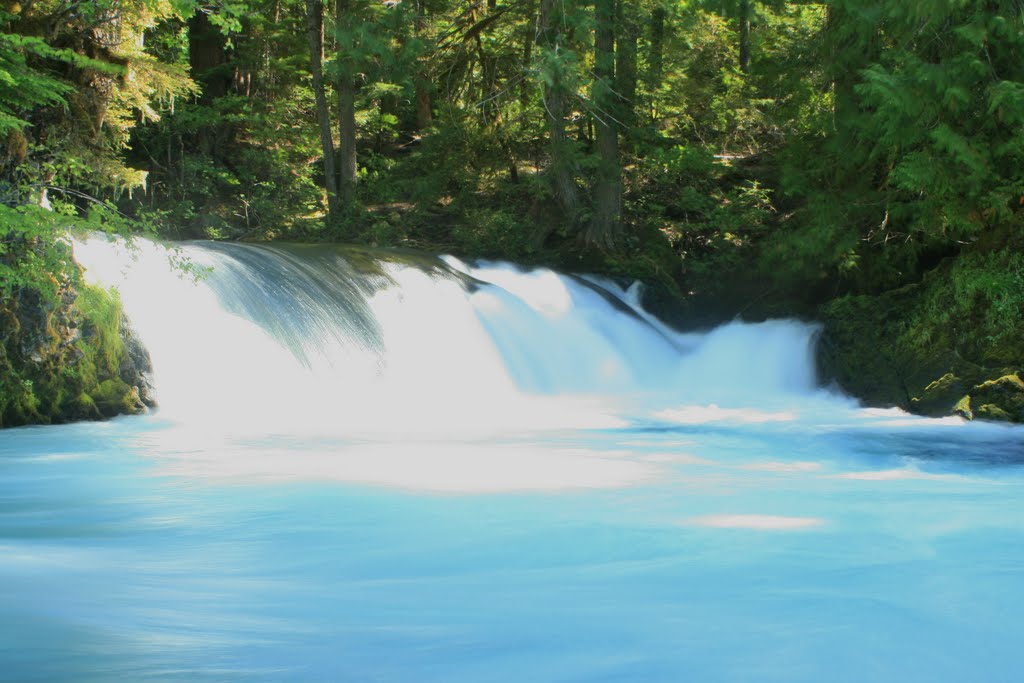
395, 467
355, 341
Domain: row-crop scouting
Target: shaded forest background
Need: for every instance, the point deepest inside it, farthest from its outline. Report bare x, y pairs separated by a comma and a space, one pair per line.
859, 161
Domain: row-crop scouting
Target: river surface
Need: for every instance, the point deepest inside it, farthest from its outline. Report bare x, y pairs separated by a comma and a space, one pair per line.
521, 478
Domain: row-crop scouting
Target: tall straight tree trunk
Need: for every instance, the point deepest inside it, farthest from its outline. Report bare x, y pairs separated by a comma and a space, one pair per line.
625, 62
656, 56
207, 56
424, 110
348, 172
744, 17
489, 111
315, 31
606, 225
525, 88
551, 34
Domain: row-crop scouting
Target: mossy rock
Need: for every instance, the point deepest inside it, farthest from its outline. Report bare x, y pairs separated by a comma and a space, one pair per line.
856, 349
963, 408
940, 347
113, 397
71, 370
999, 399
941, 397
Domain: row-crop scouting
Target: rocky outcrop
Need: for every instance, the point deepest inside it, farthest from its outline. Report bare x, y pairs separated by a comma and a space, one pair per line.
997, 399
940, 347
69, 357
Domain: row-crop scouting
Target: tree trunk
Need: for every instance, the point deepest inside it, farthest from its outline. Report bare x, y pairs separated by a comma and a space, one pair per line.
525, 87
315, 30
489, 111
207, 58
348, 173
625, 63
744, 18
606, 225
550, 37
656, 57
424, 110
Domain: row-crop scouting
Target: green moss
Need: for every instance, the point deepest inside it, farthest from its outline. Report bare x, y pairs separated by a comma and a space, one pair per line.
973, 305
992, 412
941, 396
946, 345
114, 397
858, 350
102, 353
963, 408
1000, 399
74, 371
101, 340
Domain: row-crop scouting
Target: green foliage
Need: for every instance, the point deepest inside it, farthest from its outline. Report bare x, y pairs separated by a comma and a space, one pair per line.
916, 160
34, 253
708, 211
949, 344
976, 307
102, 309
495, 234
23, 87
50, 375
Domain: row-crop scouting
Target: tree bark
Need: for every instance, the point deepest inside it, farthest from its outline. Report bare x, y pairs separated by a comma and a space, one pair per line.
348, 172
315, 31
656, 56
551, 34
744, 19
606, 224
625, 62
207, 58
525, 87
424, 109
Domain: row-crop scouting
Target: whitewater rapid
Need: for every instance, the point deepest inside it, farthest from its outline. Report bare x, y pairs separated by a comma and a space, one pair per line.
273, 333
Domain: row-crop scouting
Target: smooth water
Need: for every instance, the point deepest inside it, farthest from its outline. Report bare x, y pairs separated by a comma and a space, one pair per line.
431, 471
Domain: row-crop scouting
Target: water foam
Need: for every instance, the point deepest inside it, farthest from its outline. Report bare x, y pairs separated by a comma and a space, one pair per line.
328, 339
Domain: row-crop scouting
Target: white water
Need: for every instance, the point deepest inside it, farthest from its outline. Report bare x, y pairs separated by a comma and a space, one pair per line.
473, 473
267, 339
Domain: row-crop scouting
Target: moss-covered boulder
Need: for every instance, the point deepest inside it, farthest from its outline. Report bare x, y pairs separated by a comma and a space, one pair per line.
944, 396
949, 345
856, 348
69, 357
998, 399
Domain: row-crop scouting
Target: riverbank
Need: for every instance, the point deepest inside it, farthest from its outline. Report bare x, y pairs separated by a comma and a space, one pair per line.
67, 352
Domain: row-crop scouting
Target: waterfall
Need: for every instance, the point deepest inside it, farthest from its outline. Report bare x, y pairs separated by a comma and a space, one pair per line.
347, 339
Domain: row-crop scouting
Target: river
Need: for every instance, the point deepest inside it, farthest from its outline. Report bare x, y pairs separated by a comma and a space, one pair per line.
373, 467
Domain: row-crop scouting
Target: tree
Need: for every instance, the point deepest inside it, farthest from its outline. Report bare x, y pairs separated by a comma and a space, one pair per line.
743, 11
344, 21
556, 60
626, 61
79, 80
656, 52
315, 31
606, 224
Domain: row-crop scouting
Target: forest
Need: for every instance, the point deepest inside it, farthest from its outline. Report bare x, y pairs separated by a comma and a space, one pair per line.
856, 162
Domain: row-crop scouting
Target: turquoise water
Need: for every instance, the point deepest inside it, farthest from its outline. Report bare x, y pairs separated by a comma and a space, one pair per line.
778, 554
478, 473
